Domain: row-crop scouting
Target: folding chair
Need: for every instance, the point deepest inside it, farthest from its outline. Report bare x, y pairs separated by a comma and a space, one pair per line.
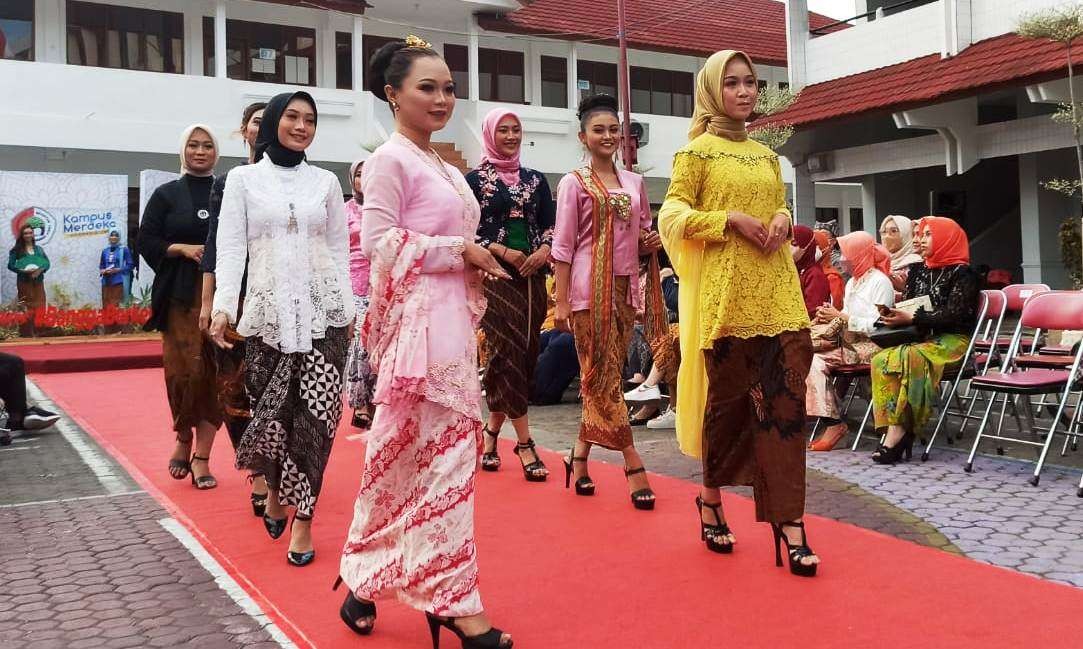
992, 307
854, 373
1017, 295
1050, 310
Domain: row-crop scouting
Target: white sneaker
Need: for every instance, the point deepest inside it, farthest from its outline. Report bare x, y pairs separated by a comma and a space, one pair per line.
666, 420
39, 418
643, 393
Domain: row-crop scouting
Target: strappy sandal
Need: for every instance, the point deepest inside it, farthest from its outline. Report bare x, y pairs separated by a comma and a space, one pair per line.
643, 498
535, 471
205, 482
716, 536
259, 500
179, 469
584, 486
491, 461
795, 552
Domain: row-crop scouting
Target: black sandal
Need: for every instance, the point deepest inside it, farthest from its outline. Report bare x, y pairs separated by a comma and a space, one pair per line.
353, 609
715, 536
491, 461
642, 499
179, 469
584, 486
535, 471
205, 482
795, 552
259, 500
491, 639
362, 420
300, 559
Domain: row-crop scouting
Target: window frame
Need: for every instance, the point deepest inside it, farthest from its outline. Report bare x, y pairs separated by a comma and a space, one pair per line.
33, 32
660, 81
284, 34
105, 21
563, 103
498, 61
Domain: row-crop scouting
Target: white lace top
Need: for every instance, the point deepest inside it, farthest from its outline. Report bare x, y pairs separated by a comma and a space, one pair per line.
290, 222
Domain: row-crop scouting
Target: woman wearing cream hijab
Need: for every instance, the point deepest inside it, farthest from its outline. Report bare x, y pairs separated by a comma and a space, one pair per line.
743, 325
897, 235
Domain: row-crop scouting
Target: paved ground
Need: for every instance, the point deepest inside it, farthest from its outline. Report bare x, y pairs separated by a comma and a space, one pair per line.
87, 559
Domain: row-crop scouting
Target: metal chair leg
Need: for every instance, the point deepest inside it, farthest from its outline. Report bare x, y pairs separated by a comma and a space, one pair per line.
969, 466
1049, 437
861, 429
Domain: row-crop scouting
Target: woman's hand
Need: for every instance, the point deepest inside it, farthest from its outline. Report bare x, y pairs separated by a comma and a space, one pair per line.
219, 324
827, 313
748, 227
778, 233
189, 250
535, 262
649, 241
480, 258
514, 257
562, 316
205, 318
896, 318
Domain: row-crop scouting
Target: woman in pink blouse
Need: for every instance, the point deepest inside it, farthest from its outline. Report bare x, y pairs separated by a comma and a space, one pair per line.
603, 225
412, 535
360, 379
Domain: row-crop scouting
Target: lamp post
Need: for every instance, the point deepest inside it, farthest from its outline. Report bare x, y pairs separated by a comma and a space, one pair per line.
623, 88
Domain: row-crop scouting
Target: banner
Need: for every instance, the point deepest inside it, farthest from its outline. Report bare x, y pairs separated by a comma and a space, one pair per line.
149, 180
72, 215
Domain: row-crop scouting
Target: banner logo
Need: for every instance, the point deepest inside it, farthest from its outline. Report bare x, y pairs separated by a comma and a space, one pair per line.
43, 222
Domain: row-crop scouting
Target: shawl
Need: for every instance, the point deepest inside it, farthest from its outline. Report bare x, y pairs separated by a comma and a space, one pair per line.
864, 254
710, 115
834, 277
950, 244
507, 167
904, 256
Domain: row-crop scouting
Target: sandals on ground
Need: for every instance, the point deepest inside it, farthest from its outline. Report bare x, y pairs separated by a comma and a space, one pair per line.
534, 471
204, 482
491, 461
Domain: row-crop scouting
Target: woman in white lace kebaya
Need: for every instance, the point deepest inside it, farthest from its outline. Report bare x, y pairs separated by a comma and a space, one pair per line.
288, 218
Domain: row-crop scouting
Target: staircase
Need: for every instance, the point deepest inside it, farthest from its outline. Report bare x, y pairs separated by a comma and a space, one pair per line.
451, 155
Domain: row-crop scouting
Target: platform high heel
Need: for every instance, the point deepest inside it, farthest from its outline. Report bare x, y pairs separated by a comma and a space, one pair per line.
353, 609
710, 534
584, 486
794, 552
892, 454
491, 639
491, 461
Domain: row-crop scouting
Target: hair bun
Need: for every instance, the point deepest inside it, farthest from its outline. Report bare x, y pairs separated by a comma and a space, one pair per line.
594, 102
378, 64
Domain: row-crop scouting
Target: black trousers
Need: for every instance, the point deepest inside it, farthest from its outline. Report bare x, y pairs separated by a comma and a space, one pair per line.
13, 388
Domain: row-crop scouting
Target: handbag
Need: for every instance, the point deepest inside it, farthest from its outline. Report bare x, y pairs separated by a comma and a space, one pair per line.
885, 337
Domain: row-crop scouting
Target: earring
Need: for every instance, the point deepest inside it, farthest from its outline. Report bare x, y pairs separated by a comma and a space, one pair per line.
394, 105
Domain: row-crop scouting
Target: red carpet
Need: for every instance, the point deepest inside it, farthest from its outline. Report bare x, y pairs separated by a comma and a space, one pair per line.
77, 356
561, 571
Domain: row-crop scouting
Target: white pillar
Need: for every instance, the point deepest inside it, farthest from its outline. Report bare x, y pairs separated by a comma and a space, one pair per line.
193, 41
797, 37
472, 59
220, 68
51, 31
358, 54
532, 75
326, 61
868, 204
1040, 214
804, 195
573, 75
958, 33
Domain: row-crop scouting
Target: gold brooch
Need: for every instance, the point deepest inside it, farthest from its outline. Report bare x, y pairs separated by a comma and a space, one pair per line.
414, 41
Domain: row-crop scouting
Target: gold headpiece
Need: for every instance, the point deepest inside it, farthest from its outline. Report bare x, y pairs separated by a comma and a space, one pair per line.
414, 41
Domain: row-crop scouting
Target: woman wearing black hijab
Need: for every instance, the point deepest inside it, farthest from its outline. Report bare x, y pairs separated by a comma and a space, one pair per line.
287, 217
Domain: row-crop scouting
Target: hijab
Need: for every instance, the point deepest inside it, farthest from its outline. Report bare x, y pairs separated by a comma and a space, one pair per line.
834, 277
950, 244
803, 238
111, 245
353, 170
864, 254
185, 136
507, 167
904, 256
710, 115
267, 140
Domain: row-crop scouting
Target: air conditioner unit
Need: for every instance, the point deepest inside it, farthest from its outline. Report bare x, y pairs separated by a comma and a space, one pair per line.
641, 132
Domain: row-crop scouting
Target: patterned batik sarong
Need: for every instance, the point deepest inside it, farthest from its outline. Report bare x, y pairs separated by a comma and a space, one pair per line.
512, 326
905, 379
360, 378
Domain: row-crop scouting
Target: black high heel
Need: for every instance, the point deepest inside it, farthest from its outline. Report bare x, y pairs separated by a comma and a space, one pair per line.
642, 499
794, 552
535, 471
584, 486
353, 609
490, 461
275, 526
893, 454
300, 559
203, 482
711, 533
259, 500
488, 640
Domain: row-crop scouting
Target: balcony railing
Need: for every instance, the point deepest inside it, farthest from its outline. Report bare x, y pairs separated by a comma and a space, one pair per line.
870, 15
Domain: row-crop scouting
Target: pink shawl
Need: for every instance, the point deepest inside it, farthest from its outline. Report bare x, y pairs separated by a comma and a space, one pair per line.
506, 167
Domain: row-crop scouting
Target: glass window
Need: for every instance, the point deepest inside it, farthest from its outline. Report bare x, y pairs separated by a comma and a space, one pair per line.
598, 78
457, 61
857, 219
262, 52
344, 60
500, 76
17, 30
640, 81
682, 94
661, 92
124, 37
554, 82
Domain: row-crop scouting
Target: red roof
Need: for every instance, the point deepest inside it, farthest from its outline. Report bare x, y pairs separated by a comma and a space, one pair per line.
692, 27
1008, 60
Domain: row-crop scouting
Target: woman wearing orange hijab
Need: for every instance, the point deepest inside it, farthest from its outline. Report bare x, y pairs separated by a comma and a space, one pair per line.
905, 378
834, 277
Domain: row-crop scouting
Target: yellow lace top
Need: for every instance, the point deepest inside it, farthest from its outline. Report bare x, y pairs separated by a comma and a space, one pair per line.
744, 292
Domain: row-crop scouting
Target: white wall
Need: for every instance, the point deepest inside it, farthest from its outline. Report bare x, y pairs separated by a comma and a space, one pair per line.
995, 17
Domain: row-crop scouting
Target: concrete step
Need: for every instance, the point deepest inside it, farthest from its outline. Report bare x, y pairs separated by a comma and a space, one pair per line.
451, 155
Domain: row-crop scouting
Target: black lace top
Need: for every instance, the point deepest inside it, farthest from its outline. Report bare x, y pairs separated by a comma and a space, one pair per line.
954, 292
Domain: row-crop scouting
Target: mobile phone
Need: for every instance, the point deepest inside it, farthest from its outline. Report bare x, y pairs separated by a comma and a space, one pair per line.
883, 309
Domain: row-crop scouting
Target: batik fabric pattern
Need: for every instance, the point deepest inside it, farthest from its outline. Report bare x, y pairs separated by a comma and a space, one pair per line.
905, 379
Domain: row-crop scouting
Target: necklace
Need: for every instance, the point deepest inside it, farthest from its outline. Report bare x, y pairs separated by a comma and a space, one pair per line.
433, 159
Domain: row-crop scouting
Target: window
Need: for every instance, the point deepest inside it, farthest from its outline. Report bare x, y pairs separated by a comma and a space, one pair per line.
597, 78
827, 214
500, 76
17, 30
783, 85
554, 82
857, 219
344, 60
372, 43
108, 36
457, 61
661, 92
262, 52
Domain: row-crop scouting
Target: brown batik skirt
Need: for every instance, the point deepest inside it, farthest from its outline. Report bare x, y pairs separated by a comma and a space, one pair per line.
189, 370
667, 355
112, 294
605, 417
753, 427
512, 327
232, 393
31, 298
